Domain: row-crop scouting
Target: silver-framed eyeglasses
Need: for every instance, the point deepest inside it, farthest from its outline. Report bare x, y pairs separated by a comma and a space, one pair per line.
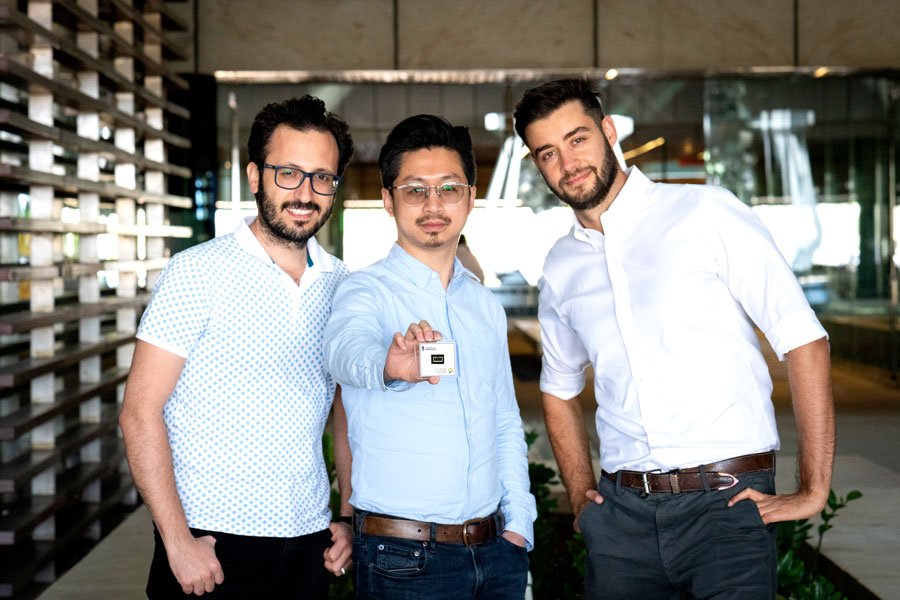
415, 194
290, 178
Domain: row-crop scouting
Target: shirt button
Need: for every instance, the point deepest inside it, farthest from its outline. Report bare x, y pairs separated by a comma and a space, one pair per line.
433, 275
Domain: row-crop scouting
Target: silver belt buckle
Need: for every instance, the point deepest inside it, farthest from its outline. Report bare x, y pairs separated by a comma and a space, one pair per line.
646, 481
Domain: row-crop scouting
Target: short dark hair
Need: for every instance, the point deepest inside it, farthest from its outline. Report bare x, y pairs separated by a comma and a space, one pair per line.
424, 132
540, 101
303, 114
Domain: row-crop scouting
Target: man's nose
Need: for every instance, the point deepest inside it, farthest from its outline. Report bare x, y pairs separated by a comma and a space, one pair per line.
433, 202
568, 161
305, 190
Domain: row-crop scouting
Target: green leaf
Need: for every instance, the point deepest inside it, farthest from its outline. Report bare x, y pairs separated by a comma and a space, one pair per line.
854, 495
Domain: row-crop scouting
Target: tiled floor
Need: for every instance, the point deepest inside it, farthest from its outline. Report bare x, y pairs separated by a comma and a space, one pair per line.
865, 541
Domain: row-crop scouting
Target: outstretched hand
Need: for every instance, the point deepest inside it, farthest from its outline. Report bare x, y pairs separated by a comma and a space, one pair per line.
781, 507
401, 363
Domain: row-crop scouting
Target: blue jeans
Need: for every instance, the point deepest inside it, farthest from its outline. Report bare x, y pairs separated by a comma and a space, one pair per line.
397, 569
665, 544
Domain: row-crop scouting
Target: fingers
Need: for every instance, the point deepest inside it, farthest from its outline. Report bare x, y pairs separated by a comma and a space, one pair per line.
594, 496
434, 380
745, 494
400, 341
422, 332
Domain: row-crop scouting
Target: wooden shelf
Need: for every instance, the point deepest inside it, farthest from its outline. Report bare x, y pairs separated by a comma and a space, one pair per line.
9, 16
28, 320
20, 563
26, 272
34, 415
74, 185
23, 126
74, 98
121, 45
17, 474
29, 368
126, 54
20, 522
149, 30
54, 226
130, 266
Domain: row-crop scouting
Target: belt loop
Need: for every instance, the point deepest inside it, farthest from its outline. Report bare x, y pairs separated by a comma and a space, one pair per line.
618, 482
432, 542
702, 471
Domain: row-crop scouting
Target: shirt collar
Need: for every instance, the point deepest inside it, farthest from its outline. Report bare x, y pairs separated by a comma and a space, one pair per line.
316, 256
417, 271
626, 208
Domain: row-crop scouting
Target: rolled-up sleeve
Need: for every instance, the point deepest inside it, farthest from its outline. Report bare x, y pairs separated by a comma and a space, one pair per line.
564, 358
760, 279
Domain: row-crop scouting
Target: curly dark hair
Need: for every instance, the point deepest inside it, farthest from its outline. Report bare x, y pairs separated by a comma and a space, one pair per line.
422, 132
303, 114
540, 101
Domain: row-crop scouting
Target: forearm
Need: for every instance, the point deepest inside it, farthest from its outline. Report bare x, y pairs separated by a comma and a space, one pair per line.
809, 371
568, 438
150, 460
343, 459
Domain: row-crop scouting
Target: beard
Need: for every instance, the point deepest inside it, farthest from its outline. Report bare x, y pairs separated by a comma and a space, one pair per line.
603, 182
283, 232
432, 239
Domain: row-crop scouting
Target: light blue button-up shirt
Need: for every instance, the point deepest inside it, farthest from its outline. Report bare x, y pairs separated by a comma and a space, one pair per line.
442, 453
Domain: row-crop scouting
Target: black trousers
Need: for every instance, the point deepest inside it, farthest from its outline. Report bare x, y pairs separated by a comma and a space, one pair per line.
666, 544
254, 567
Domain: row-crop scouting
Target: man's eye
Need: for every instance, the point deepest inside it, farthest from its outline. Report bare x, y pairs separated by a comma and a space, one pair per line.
417, 190
323, 177
287, 172
547, 155
578, 140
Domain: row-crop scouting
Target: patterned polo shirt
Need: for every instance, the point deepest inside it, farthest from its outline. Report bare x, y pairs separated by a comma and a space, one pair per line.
246, 417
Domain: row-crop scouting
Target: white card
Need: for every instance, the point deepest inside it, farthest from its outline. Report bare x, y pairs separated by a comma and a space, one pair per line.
437, 359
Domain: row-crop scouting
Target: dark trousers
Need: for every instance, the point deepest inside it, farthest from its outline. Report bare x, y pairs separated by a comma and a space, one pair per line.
666, 544
388, 568
254, 567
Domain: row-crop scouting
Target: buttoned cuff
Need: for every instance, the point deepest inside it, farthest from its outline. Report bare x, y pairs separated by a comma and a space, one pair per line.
794, 330
396, 385
519, 521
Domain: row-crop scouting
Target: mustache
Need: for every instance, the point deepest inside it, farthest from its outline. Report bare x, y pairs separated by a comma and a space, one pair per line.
432, 218
576, 173
297, 205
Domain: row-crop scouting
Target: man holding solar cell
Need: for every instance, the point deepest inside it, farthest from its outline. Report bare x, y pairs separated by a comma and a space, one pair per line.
441, 502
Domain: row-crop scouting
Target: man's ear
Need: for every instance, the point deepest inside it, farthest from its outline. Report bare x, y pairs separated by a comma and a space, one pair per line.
472, 193
253, 177
388, 201
609, 130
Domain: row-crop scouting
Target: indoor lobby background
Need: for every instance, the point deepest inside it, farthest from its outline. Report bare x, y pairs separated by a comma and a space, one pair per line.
790, 104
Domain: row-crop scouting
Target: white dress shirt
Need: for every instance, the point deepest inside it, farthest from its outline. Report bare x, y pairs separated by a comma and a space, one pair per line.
662, 304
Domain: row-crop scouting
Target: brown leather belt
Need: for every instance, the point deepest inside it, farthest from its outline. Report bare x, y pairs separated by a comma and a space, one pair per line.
719, 475
470, 533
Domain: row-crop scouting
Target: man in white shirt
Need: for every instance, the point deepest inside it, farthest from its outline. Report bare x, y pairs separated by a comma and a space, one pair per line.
657, 287
228, 394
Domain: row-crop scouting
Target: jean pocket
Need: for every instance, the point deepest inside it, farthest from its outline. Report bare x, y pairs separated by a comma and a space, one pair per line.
514, 547
398, 558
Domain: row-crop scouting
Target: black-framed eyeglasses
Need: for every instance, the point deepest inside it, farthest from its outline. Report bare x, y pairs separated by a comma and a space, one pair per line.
415, 194
290, 178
